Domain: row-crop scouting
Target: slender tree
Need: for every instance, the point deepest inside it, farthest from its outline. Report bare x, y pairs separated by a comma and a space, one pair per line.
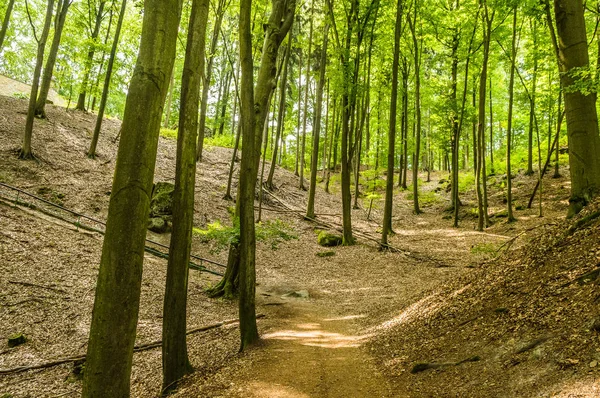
25, 152
59, 22
109, 68
417, 150
254, 106
389, 188
99, 16
116, 306
306, 86
5, 21
511, 85
174, 348
310, 209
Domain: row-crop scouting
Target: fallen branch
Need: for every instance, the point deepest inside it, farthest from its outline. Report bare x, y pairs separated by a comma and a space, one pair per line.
512, 240
422, 366
137, 348
36, 285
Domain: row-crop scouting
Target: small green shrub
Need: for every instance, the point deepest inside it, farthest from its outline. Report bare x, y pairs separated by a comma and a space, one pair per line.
484, 248
273, 232
168, 133
20, 96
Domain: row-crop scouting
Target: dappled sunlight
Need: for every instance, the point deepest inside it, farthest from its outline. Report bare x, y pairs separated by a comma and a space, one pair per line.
445, 232
588, 387
312, 334
345, 318
273, 390
421, 308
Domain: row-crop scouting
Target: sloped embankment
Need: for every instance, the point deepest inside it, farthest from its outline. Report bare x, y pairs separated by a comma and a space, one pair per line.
525, 324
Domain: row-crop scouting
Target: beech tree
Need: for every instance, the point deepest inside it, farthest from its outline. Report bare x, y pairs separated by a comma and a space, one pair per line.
5, 21
116, 305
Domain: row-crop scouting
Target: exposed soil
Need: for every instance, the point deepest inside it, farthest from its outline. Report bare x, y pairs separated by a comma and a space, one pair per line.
369, 317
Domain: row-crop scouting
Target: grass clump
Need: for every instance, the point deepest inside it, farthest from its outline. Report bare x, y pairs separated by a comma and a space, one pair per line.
168, 133
273, 232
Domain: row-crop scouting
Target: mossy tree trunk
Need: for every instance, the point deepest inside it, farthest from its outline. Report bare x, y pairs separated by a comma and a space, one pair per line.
59, 22
580, 108
25, 152
310, 210
116, 306
174, 348
254, 106
306, 86
109, 68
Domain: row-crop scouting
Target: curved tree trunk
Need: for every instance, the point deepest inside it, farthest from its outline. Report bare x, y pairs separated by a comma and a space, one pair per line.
116, 306
511, 85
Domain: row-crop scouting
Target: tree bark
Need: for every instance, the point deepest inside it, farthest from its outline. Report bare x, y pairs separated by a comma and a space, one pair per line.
109, 68
208, 77
174, 349
582, 118
389, 186
5, 22
25, 152
306, 85
90, 57
310, 209
417, 149
59, 23
116, 306
254, 106
511, 85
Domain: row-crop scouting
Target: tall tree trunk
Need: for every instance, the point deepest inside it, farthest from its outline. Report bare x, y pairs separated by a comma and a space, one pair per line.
532, 101
492, 171
97, 81
90, 57
417, 149
111, 61
234, 132
582, 118
281, 115
254, 106
116, 306
25, 152
5, 22
169, 101
511, 85
59, 23
298, 124
404, 126
389, 186
480, 170
174, 348
224, 104
310, 209
220, 11
306, 85
325, 142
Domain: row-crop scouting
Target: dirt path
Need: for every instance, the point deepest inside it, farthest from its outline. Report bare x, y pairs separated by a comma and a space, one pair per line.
313, 355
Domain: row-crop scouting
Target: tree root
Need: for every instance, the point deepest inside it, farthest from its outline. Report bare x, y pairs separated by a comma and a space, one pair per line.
137, 348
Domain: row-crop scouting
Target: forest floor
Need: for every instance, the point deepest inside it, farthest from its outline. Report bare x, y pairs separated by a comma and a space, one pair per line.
489, 321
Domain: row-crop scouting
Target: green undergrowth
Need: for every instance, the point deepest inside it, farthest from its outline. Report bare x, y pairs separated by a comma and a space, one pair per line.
272, 232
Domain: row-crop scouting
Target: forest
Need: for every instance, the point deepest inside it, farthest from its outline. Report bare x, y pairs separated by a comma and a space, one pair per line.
286, 198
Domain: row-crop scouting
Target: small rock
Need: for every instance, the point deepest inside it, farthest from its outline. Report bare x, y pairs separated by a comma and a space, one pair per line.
16, 339
329, 240
325, 254
593, 364
158, 225
501, 310
595, 325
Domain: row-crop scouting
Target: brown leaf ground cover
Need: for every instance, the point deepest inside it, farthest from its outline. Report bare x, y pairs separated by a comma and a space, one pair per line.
370, 315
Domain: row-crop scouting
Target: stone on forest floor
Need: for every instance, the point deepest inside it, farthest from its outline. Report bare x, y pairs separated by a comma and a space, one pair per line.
329, 240
298, 294
325, 254
158, 225
161, 203
16, 339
